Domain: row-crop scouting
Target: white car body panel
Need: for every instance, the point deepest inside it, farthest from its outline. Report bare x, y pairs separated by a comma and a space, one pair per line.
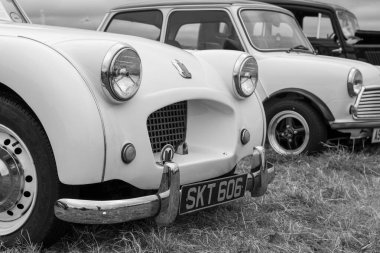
47, 87
89, 150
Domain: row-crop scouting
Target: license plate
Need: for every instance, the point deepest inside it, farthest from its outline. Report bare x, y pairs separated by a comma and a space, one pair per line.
203, 195
376, 135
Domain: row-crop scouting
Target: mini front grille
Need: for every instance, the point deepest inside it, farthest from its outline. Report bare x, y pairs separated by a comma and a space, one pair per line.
369, 104
167, 126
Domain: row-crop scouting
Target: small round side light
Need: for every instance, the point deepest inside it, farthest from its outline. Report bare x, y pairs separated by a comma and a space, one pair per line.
245, 136
128, 153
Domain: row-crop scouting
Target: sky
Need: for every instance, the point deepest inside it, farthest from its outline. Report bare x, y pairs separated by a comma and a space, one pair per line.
89, 13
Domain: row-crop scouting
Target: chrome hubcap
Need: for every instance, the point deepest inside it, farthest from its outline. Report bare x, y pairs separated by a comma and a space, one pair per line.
288, 133
11, 180
18, 182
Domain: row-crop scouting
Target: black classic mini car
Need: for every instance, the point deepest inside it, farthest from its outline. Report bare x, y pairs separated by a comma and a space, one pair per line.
334, 30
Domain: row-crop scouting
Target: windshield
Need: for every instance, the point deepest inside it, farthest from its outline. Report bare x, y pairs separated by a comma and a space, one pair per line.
270, 30
10, 12
349, 23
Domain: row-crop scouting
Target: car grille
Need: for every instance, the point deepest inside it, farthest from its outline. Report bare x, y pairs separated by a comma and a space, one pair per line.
167, 126
373, 56
369, 105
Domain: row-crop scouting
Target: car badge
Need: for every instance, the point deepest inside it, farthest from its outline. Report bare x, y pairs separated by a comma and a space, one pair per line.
167, 154
183, 71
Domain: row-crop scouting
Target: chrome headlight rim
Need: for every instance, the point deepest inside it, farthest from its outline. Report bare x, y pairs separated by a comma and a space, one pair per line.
107, 75
354, 82
239, 65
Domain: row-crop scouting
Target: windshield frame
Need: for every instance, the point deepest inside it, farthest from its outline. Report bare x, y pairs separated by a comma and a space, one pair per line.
311, 48
21, 12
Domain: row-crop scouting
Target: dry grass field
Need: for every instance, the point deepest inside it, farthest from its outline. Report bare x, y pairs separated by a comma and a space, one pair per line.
324, 203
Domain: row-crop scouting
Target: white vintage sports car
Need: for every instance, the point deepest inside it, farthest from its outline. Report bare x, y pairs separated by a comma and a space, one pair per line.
307, 97
116, 120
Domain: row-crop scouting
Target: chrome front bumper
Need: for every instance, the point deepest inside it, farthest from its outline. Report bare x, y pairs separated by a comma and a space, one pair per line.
163, 206
355, 125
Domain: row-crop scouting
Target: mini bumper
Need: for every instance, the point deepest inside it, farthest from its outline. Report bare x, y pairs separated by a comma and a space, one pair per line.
163, 206
355, 125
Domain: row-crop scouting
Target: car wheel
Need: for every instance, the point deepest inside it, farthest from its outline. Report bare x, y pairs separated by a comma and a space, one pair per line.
294, 127
29, 183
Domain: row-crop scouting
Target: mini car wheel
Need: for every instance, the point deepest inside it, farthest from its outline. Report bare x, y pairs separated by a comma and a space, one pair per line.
29, 183
294, 127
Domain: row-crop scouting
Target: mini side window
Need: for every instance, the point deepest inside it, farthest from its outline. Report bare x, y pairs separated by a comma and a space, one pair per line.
146, 24
202, 30
319, 27
187, 36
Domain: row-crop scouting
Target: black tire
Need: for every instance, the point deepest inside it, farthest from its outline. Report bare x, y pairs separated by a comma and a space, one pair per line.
294, 127
38, 224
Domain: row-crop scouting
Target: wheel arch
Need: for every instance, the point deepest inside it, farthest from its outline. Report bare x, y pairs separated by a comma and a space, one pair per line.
49, 86
7, 91
301, 94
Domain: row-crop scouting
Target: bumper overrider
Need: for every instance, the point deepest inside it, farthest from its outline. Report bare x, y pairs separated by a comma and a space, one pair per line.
165, 205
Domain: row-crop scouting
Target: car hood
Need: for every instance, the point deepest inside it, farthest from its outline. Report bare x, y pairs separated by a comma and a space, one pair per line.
51, 35
333, 68
54, 37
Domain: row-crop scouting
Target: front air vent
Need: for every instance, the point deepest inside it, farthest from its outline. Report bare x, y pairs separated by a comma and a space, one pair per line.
167, 126
369, 105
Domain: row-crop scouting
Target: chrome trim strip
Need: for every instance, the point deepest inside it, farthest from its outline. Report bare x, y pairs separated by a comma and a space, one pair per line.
103, 22
23, 13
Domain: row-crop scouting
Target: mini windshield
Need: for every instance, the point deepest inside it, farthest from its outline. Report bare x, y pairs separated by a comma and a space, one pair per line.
10, 12
349, 23
270, 30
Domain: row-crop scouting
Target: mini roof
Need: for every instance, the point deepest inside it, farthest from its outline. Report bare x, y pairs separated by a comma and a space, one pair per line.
148, 3
308, 3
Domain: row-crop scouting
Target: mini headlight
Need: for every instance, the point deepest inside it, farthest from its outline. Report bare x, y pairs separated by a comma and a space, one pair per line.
121, 72
245, 76
354, 82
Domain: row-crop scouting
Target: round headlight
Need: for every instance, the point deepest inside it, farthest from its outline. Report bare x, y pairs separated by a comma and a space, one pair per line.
354, 82
246, 73
121, 72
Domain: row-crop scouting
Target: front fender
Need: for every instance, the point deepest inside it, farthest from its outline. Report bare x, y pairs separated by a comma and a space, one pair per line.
325, 79
323, 108
63, 103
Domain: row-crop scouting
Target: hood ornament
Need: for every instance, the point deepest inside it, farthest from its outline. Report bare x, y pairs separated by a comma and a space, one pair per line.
183, 71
